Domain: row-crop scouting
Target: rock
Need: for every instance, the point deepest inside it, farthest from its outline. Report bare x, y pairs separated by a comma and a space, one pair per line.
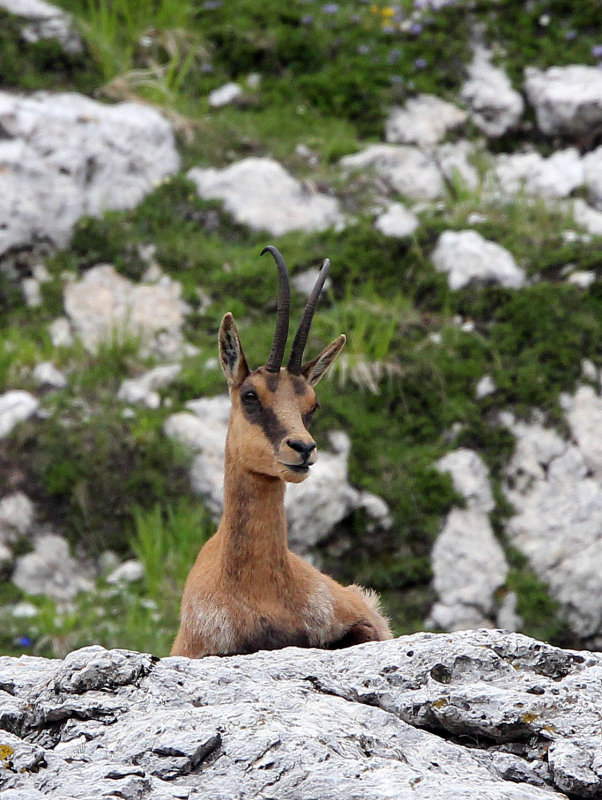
15, 406
225, 95
104, 304
592, 168
470, 478
567, 100
551, 178
313, 507
260, 193
305, 281
128, 572
404, 169
587, 217
558, 504
50, 570
60, 332
466, 256
468, 562
495, 106
46, 374
424, 120
16, 516
424, 717
65, 155
485, 387
143, 390
583, 411
397, 221
32, 292
582, 278
453, 159
45, 21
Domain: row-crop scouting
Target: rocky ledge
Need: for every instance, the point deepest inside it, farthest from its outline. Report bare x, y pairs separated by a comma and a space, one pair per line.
422, 716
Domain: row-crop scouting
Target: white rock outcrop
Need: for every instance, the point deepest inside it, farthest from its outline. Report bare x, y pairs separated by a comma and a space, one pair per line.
104, 305
402, 168
466, 256
567, 100
396, 221
495, 107
424, 120
313, 507
555, 485
50, 570
15, 406
65, 155
143, 390
422, 717
44, 21
16, 516
468, 562
552, 178
224, 95
592, 169
260, 193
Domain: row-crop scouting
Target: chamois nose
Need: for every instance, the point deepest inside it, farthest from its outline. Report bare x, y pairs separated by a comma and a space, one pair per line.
305, 448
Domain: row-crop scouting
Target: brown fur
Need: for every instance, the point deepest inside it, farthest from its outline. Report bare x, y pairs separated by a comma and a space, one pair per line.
247, 591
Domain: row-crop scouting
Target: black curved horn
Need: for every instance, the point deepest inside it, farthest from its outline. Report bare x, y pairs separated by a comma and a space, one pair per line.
274, 362
296, 356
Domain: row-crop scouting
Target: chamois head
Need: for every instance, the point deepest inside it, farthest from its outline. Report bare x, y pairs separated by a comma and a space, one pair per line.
272, 406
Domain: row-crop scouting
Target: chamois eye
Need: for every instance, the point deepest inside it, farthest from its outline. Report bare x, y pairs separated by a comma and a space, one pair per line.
250, 397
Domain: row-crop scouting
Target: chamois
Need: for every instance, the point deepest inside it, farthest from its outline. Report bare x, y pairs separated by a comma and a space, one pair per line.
247, 591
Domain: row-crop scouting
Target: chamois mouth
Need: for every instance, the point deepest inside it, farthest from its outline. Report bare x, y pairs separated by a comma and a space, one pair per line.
302, 469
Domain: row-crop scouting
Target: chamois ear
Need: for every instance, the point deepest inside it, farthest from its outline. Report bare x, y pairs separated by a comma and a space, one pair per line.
315, 369
231, 356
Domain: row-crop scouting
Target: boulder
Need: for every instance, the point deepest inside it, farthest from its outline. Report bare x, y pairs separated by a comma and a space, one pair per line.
313, 507
495, 107
15, 406
16, 516
397, 221
65, 155
143, 390
260, 193
567, 100
552, 178
403, 169
592, 169
588, 217
424, 120
469, 566
421, 717
466, 256
50, 570
103, 305
46, 374
44, 21
225, 95
555, 487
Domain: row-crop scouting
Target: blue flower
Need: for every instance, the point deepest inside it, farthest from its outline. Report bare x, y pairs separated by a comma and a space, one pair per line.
420, 63
24, 641
597, 51
330, 8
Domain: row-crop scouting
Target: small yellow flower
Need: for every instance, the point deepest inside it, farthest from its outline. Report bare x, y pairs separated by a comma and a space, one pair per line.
387, 11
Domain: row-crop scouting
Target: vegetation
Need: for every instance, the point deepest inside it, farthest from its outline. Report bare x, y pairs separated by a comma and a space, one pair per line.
323, 75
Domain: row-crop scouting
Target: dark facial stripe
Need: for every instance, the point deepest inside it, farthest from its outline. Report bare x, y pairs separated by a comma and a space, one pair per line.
267, 420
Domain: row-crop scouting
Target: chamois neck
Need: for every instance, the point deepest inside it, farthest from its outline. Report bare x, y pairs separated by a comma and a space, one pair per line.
253, 528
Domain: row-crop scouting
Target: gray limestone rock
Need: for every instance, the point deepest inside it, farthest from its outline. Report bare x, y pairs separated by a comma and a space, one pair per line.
143, 390
592, 169
423, 717
50, 570
260, 193
15, 406
555, 486
313, 507
16, 516
44, 21
397, 221
466, 256
103, 305
424, 120
567, 100
552, 178
403, 168
65, 155
494, 105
